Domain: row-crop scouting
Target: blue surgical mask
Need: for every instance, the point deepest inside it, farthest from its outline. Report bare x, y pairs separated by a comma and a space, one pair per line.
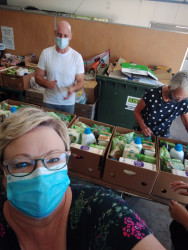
38, 194
62, 43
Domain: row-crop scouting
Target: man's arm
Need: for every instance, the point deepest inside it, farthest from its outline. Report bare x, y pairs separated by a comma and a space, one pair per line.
39, 77
79, 85
137, 113
184, 118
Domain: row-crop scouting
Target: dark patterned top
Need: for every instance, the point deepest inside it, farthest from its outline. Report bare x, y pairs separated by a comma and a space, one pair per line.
158, 114
98, 219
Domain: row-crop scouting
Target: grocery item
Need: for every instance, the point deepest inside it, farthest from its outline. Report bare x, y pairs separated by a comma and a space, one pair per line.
137, 163
74, 135
88, 148
137, 142
88, 137
146, 158
186, 165
131, 151
177, 152
180, 172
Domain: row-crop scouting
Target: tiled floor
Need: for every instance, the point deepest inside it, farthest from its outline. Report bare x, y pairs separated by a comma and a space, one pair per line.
155, 214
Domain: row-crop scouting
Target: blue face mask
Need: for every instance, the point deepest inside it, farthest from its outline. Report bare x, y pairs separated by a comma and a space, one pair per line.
38, 194
62, 43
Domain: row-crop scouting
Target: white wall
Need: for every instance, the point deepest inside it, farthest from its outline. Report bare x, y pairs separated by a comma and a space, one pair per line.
131, 12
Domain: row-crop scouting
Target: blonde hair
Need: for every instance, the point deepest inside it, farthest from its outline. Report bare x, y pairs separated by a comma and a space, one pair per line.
25, 120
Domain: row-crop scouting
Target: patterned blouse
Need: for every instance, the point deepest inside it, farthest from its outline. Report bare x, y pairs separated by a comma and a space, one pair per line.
98, 219
158, 114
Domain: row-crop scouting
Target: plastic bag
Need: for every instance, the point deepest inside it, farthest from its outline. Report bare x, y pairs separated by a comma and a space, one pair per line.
81, 97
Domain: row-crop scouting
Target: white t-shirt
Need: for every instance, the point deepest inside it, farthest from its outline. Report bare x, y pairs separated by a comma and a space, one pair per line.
63, 68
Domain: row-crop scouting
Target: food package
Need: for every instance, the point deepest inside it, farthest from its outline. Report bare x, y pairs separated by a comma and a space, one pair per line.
137, 163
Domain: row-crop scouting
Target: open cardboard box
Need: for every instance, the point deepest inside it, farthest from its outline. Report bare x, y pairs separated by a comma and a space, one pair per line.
84, 162
73, 116
128, 176
17, 103
162, 185
16, 81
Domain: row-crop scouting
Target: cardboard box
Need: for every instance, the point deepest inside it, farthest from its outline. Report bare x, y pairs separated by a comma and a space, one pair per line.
128, 176
162, 185
16, 81
73, 116
92, 91
34, 96
130, 68
85, 110
31, 62
87, 163
1, 71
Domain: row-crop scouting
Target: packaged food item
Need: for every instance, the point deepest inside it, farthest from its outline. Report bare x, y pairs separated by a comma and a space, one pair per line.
177, 164
74, 135
137, 163
147, 158
180, 172
104, 138
97, 151
131, 151
115, 153
97, 146
149, 152
186, 165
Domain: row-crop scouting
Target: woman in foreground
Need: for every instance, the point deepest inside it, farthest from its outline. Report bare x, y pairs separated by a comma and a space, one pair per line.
39, 207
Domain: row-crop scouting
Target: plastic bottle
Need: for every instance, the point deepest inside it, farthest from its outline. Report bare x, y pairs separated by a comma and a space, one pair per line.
177, 152
88, 137
13, 109
137, 142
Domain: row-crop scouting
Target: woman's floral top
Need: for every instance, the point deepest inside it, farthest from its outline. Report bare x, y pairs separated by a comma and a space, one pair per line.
98, 219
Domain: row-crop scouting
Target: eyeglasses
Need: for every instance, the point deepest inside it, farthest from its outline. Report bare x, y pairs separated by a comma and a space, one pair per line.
24, 166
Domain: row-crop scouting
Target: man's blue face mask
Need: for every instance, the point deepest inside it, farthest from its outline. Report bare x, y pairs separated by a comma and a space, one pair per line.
62, 43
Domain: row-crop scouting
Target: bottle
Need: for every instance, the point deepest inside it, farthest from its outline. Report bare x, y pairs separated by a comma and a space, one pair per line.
137, 142
177, 152
88, 137
13, 109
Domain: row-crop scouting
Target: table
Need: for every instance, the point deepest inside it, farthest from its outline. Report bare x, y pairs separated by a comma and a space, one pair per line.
20, 92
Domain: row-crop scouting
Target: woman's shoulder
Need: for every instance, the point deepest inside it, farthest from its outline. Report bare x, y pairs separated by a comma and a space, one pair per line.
106, 218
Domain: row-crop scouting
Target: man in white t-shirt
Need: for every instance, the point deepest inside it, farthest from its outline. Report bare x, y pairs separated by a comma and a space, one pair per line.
64, 71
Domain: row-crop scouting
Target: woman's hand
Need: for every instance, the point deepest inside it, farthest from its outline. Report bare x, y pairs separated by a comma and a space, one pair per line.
176, 185
146, 131
179, 213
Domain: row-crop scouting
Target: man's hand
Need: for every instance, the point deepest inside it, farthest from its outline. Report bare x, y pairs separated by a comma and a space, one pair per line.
69, 92
176, 185
51, 84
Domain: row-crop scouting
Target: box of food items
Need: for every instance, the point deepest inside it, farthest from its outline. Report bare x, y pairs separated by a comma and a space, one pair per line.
67, 118
89, 142
10, 106
131, 161
17, 78
173, 166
